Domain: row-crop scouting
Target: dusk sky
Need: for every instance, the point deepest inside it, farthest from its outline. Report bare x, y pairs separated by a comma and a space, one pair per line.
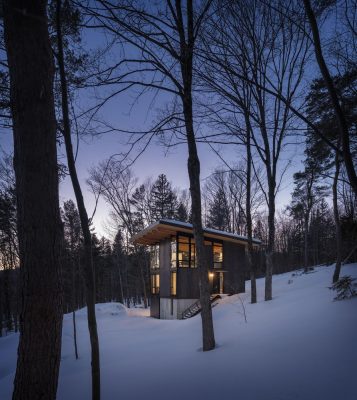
254, 105
155, 160
126, 112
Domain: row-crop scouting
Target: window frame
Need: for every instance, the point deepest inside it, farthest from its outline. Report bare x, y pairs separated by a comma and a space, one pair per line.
191, 258
155, 254
173, 286
155, 283
221, 263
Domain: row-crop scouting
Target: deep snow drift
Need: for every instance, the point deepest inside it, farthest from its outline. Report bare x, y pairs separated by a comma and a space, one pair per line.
302, 345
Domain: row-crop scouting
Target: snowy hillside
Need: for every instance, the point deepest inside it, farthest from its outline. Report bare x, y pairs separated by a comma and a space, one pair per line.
300, 346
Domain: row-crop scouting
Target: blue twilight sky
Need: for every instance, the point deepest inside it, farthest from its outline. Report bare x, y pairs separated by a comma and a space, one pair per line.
127, 112
157, 159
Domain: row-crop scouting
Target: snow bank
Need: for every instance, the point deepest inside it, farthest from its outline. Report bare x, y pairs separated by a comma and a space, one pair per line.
299, 346
102, 310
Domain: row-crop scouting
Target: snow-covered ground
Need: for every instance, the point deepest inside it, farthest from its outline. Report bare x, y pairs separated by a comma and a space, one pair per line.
302, 345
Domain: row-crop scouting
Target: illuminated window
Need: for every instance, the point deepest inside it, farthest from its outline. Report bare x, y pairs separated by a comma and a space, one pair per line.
217, 255
155, 283
186, 252
192, 253
173, 253
183, 251
173, 283
155, 257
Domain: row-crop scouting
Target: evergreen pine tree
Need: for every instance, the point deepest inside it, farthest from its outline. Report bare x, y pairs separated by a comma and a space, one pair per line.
218, 212
142, 212
163, 199
181, 213
119, 263
308, 192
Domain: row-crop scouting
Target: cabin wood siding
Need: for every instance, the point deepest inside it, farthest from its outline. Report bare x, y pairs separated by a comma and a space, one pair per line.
165, 261
187, 278
209, 256
187, 283
235, 265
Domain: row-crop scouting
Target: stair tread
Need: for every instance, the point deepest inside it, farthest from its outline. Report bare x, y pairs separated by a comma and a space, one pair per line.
195, 308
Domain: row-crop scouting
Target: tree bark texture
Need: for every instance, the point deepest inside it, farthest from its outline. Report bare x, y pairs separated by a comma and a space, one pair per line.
88, 259
306, 242
39, 226
193, 166
74, 308
250, 265
271, 238
336, 215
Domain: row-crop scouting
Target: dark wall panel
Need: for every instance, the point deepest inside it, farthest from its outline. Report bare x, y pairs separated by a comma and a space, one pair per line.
234, 263
155, 306
165, 260
209, 256
187, 283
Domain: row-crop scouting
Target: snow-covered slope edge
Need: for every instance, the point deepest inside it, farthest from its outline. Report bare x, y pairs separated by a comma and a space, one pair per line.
301, 345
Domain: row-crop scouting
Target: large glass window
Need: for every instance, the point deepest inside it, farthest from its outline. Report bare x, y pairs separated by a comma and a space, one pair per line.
155, 257
217, 255
183, 251
173, 283
155, 283
192, 253
186, 252
173, 253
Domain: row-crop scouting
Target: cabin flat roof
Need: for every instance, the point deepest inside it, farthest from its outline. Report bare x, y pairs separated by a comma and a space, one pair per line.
165, 228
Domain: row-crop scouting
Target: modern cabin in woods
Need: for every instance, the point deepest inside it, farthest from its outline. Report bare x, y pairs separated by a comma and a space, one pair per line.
174, 276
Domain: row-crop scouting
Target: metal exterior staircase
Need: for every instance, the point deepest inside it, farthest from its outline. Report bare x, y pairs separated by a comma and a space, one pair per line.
196, 308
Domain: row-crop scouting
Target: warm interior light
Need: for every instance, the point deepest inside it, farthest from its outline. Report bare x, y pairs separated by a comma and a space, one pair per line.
211, 275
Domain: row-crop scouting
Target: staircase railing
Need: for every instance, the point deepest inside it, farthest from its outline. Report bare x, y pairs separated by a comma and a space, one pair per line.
196, 308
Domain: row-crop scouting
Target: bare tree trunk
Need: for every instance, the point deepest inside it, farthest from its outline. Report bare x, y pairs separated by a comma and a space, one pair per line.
336, 274
306, 248
88, 259
75, 334
74, 312
176, 55
7, 300
251, 267
193, 166
341, 119
270, 247
39, 226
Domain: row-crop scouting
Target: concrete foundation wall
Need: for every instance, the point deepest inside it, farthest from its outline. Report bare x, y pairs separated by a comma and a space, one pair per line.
173, 308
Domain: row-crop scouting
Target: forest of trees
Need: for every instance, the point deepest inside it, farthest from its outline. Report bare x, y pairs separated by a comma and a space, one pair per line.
266, 80
122, 270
